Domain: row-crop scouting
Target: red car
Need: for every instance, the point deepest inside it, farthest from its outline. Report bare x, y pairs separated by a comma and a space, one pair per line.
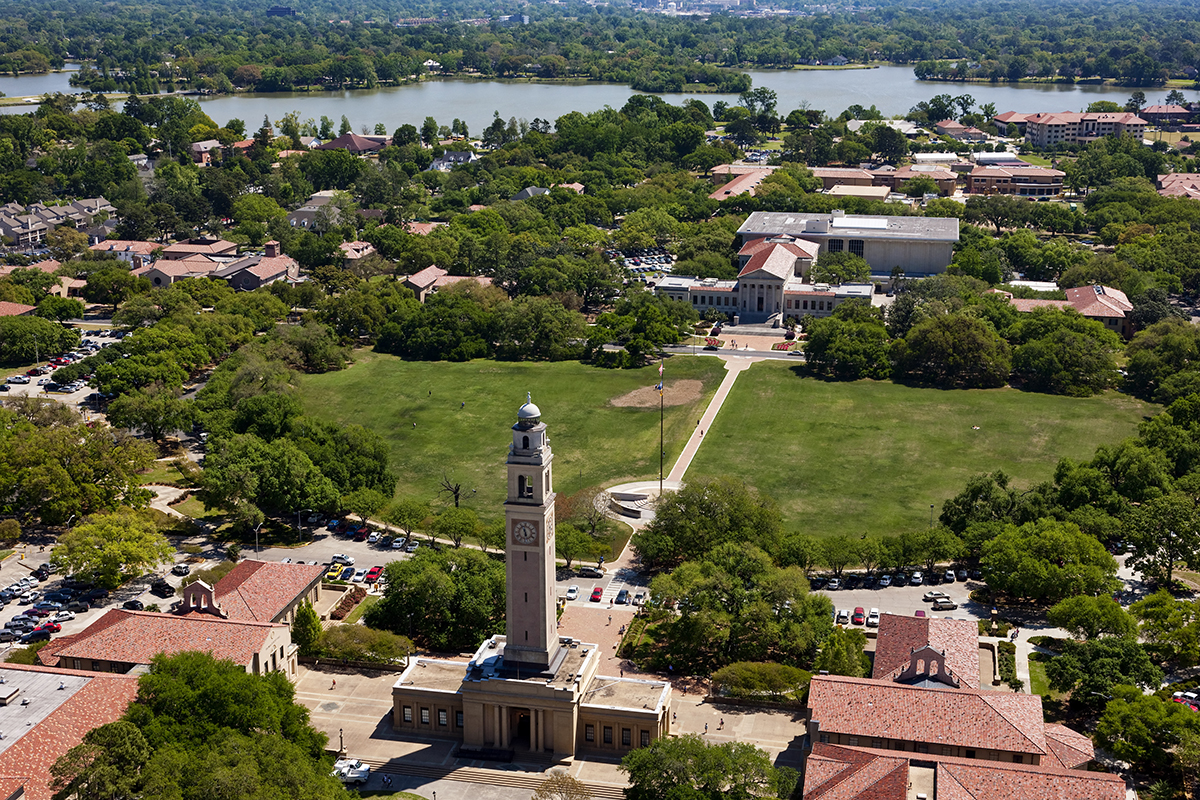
597, 594
373, 574
53, 627
859, 617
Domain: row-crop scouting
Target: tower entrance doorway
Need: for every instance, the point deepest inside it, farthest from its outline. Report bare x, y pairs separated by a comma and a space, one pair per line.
522, 730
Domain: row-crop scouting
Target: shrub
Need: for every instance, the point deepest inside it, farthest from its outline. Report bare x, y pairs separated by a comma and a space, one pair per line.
751, 679
1007, 653
348, 603
360, 643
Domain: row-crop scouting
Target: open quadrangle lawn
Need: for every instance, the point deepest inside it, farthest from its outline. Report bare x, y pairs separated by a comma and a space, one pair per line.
870, 457
596, 444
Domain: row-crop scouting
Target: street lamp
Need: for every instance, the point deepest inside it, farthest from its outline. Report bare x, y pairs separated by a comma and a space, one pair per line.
257, 549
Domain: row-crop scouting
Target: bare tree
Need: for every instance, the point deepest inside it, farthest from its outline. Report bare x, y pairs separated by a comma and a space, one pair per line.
562, 787
450, 488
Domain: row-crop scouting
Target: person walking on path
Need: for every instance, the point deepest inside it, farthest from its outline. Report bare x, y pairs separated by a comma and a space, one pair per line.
706, 729
331, 688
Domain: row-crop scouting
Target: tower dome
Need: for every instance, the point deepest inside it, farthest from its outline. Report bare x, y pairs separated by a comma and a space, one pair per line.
528, 415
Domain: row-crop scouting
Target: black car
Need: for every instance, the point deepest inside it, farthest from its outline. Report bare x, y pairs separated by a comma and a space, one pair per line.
133, 605
853, 581
162, 589
41, 635
869, 582
623, 597
93, 595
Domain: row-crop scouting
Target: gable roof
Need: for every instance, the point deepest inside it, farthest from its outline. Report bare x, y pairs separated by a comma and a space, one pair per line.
8, 309
352, 142
846, 773
1099, 301
957, 717
963, 779
426, 277
260, 590
899, 636
1068, 748
778, 260
126, 245
135, 637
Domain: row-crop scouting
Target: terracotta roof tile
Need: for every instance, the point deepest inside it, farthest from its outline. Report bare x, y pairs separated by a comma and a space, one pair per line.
260, 590
8, 309
899, 636
849, 774
956, 717
1068, 748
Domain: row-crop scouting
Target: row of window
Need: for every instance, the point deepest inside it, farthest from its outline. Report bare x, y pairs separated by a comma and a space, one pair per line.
918, 747
589, 735
443, 716
700, 300
817, 305
856, 246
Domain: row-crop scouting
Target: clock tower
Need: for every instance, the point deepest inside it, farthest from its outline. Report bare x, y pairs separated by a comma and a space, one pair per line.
531, 640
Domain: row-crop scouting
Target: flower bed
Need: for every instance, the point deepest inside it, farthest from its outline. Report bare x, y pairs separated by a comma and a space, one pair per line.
710, 341
784, 345
348, 603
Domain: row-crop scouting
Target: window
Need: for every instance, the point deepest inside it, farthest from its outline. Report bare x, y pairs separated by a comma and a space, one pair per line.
947, 751
806, 305
824, 738
443, 717
856, 246
626, 737
589, 733
922, 748
607, 735
877, 743
970, 754
458, 719
424, 716
1017, 758
836, 245
853, 741
408, 713
96, 666
645, 738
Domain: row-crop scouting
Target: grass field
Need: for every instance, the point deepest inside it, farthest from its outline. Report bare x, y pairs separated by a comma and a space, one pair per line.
870, 457
163, 472
596, 444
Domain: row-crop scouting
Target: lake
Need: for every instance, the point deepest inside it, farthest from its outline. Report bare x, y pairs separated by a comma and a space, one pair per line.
893, 90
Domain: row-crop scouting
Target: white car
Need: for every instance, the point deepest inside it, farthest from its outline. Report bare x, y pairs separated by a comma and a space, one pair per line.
18, 379
843, 616
873, 618
930, 597
359, 574
373, 538
573, 593
351, 770
342, 558
63, 616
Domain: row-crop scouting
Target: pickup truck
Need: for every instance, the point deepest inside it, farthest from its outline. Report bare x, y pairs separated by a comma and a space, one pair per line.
351, 771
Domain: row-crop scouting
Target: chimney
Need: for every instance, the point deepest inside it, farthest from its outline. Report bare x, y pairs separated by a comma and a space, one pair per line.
272, 249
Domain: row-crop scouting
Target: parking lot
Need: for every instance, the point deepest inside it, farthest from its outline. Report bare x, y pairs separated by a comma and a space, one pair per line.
907, 600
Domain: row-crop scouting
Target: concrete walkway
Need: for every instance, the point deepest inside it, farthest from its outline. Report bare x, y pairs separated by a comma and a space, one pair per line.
733, 367
164, 496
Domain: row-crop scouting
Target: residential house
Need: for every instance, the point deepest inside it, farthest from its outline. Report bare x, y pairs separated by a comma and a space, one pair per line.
1180, 184
358, 145
352, 252
163, 273
254, 271
66, 287
422, 228
1025, 181
134, 253
956, 130
23, 230
126, 641
311, 216
44, 713
213, 248
1106, 305
202, 152
528, 192
577, 188
451, 159
9, 309
432, 278
1068, 127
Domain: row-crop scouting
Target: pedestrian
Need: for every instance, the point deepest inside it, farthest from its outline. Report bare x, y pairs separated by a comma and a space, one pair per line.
622, 673
610, 619
702, 433
706, 728
414, 424
463, 404
721, 725
331, 688
673, 716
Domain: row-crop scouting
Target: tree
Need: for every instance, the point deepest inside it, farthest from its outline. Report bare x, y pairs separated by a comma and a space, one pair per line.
1047, 561
688, 767
306, 629
65, 243
113, 286
1144, 729
842, 654
953, 351
561, 787
839, 268
156, 409
456, 524
24, 339
10, 532
59, 309
364, 502
361, 643
1163, 532
1170, 627
1092, 669
752, 679
113, 546
407, 514
429, 131
1091, 617
703, 514
570, 543
106, 765
1065, 362
838, 552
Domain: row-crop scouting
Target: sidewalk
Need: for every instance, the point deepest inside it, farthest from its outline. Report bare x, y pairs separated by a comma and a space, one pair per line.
733, 367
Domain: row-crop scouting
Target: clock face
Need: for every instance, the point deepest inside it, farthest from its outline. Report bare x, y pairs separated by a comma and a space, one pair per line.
525, 533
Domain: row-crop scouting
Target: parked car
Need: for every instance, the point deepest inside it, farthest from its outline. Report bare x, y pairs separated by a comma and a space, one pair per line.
411, 546
94, 595
49, 625
919, 613
834, 584
623, 597
352, 771
572, 593
949, 576
343, 559
900, 579
162, 589
347, 573
64, 616
929, 597
843, 617
917, 579
873, 618
181, 569
597, 594
9, 635
590, 572
858, 617
373, 574
35, 636
359, 574
373, 538
944, 604
78, 606
133, 605
639, 598
869, 582
885, 581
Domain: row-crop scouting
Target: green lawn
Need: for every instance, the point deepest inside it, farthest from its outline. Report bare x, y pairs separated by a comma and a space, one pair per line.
361, 609
870, 457
1039, 684
163, 472
595, 443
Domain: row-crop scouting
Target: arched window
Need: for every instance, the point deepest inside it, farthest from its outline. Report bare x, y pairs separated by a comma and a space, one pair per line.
520, 486
524, 442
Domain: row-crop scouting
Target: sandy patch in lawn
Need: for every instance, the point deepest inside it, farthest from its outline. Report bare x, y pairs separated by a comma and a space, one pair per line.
677, 394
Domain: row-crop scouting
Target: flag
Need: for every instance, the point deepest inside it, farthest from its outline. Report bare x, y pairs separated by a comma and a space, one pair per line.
660, 365
659, 387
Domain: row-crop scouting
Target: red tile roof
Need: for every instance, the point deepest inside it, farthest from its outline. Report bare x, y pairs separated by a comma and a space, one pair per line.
135, 637
963, 779
101, 700
956, 717
745, 183
1026, 305
899, 636
8, 309
260, 590
122, 245
1068, 748
219, 247
847, 773
778, 259
1099, 301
